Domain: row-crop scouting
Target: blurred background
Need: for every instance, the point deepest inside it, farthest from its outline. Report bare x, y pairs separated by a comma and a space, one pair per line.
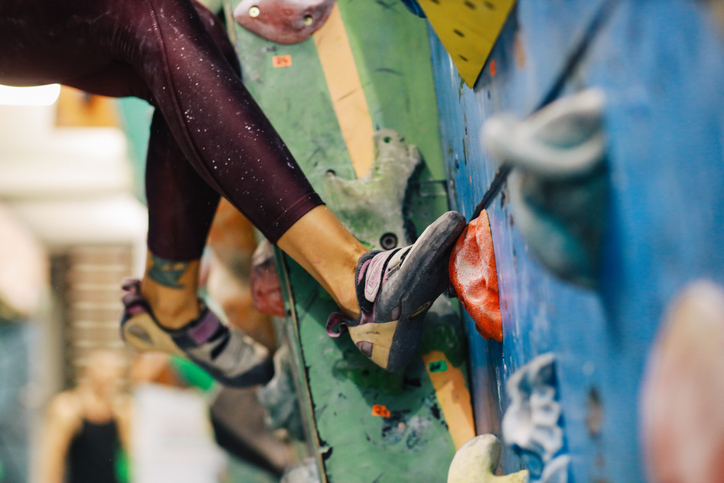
72, 227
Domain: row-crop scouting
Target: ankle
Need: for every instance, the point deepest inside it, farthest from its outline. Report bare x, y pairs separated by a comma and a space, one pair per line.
349, 306
344, 287
172, 309
175, 316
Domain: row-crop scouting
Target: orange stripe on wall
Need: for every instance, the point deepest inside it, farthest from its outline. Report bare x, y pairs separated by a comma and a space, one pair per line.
453, 397
348, 98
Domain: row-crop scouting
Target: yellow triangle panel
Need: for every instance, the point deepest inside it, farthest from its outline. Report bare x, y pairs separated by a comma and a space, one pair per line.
468, 29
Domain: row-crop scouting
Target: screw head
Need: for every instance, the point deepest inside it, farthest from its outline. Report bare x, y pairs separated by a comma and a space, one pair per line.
388, 241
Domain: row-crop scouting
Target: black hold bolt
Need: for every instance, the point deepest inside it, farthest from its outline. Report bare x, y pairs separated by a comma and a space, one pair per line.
388, 241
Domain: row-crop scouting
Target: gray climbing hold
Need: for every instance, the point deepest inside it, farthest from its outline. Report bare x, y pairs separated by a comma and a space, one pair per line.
304, 471
477, 460
279, 397
556, 471
371, 207
558, 188
531, 424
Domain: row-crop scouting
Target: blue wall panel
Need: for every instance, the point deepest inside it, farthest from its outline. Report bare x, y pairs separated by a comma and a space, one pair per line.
662, 67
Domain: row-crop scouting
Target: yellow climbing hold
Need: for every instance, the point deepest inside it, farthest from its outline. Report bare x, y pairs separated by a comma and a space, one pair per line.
468, 29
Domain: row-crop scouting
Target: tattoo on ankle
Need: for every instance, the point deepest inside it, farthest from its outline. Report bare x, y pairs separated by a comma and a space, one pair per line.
167, 272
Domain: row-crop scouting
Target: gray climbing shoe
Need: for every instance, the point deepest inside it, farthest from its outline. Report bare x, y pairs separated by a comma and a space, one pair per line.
395, 289
231, 357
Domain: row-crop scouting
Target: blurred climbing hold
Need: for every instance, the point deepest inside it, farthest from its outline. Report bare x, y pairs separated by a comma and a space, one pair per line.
477, 462
266, 290
283, 21
558, 187
683, 425
371, 207
532, 424
475, 277
279, 397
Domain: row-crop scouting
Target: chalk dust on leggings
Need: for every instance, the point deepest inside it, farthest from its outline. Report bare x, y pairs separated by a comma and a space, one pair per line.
209, 137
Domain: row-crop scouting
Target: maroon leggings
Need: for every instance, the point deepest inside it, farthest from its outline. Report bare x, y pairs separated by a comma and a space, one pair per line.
208, 136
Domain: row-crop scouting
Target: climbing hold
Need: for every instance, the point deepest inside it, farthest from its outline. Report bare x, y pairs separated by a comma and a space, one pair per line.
559, 188
266, 290
475, 278
683, 425
531, 424
371, 207
304, 471
468, 29
283, 21
477, 460
279, 397
380, 410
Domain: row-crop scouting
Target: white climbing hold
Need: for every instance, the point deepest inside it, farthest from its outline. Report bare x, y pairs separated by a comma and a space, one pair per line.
477, 460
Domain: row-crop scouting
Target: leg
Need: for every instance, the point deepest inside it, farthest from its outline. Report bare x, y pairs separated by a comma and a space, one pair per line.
325, 249
312, 234
161, 50
393, 290
181, 207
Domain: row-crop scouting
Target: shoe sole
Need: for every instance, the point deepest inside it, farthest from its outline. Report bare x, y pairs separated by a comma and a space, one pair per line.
143, 334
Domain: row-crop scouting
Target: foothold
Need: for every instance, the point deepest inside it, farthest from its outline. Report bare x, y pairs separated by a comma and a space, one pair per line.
556, 471
682, 421
438, 366
475, 278
279, 397
380, 410
283, 21
304, 471
559, 186
371, 206
531, 424
266, 290
477, 460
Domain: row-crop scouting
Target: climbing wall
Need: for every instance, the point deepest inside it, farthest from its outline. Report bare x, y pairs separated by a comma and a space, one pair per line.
661, 66
367, 69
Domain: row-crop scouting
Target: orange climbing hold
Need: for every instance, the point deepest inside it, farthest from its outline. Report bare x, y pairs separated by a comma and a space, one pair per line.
475, 278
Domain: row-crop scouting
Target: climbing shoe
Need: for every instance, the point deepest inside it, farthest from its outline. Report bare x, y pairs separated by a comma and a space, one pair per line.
395, 289
229, 356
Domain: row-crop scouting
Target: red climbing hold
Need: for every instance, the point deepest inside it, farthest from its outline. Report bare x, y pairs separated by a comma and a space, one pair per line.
266, 290
475, 278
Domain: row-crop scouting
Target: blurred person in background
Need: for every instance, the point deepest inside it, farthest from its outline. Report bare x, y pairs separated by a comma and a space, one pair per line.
87, 428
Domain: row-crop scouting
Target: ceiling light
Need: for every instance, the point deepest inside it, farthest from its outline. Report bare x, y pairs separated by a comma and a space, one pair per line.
29, 96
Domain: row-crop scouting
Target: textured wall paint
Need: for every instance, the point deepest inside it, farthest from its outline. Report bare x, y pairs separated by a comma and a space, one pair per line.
661, 66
